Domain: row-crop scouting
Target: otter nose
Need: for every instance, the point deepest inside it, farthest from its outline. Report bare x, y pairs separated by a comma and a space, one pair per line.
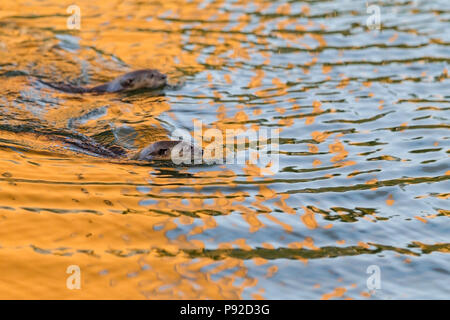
164, 76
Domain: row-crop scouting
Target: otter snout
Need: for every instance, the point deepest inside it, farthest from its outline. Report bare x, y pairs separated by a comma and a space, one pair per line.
157, 79
163, 78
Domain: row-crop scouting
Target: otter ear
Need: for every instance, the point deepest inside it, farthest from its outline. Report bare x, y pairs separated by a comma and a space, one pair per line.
126, 82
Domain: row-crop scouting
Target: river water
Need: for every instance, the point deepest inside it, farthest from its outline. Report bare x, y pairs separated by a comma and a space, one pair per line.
357, 207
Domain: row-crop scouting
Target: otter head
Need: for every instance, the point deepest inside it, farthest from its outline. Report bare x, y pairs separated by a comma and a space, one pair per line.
143, 79
168, 150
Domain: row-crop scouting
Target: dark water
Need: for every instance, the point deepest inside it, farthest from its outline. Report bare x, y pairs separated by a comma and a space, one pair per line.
362, 115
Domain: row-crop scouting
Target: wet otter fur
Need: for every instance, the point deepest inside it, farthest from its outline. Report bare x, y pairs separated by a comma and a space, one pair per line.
163, 150
139, 79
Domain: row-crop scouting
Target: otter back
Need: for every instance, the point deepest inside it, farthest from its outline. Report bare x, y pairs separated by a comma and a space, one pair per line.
66, 87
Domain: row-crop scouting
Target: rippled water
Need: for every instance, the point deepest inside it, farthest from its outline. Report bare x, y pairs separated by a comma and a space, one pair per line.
363, 119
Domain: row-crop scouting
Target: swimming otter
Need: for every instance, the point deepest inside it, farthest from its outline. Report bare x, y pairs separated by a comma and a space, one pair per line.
139, 79
164, 150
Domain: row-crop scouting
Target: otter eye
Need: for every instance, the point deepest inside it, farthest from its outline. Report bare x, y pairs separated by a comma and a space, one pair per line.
162, 152
127, 82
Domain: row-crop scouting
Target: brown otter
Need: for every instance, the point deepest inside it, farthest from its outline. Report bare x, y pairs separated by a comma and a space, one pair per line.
139, 79
163, 150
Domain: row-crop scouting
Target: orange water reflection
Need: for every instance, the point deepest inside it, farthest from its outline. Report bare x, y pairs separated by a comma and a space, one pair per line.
144, 232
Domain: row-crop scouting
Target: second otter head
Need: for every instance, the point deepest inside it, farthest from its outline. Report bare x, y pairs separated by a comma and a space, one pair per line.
169, 150
143, 79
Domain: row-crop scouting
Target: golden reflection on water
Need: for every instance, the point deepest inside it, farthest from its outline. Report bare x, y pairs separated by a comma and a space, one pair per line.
60, 208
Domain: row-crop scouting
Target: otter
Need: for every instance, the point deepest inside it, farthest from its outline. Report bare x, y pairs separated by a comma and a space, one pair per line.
139, 79
163, 150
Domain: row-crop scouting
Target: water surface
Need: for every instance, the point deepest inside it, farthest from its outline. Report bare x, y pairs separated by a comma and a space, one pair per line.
363, 180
